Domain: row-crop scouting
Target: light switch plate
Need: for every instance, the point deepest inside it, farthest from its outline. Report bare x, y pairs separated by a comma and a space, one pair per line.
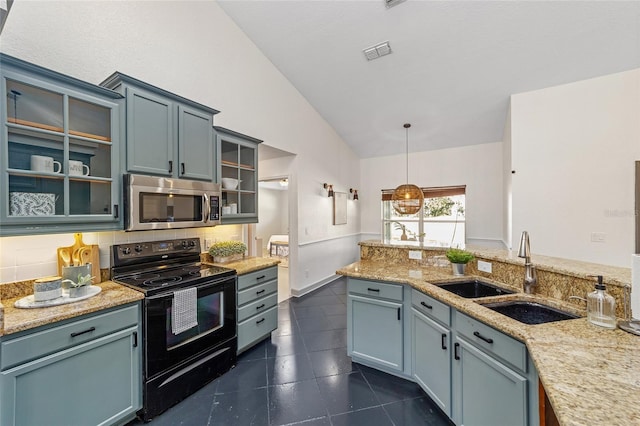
484, 266
415, 254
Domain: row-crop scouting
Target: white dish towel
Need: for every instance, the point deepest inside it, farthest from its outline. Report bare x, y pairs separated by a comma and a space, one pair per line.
184, 314
635, 286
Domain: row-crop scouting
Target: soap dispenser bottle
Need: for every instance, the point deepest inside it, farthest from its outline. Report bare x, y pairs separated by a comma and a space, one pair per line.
601, 306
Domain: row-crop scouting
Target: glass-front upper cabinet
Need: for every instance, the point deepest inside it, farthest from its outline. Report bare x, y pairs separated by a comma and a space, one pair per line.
237, 156
59, 156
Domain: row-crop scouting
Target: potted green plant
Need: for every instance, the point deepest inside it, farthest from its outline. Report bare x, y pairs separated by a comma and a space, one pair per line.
80, 287
459, 259
227, 251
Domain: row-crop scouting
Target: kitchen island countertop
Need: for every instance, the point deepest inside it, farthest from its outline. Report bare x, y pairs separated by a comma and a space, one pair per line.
591, 374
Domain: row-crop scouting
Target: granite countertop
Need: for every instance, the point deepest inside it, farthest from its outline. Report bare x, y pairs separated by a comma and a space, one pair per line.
591, 374
246, 265
13, 320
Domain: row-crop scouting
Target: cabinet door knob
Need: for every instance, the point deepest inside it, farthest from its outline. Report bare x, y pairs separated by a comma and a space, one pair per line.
116, 211
456, 349
170, 166
182, 168
444, 341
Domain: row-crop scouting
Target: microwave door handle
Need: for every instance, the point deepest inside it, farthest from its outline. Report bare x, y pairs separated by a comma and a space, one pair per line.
207, 207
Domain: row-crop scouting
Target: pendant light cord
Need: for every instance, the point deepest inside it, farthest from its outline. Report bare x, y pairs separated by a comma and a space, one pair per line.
406, 126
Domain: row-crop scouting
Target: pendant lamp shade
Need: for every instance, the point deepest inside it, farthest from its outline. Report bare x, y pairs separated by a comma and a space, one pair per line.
407, 198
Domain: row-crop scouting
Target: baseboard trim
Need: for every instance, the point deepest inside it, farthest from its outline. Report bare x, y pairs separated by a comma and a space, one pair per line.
314, 286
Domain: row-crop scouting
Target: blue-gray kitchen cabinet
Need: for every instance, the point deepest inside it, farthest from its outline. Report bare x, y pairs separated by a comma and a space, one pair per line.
257, 306
84, 371
166, 134
375, 324
58, 119
431, 348
494, 381
237, 156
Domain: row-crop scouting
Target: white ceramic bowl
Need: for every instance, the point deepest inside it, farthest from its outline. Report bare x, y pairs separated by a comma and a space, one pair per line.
230, 183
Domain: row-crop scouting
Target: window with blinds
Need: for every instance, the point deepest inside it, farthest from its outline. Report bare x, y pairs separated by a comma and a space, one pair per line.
440, 222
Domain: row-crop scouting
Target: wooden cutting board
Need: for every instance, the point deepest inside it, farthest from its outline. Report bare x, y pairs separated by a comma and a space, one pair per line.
91, 254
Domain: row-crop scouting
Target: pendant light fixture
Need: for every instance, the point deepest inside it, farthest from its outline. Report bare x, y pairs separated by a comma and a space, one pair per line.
407, 198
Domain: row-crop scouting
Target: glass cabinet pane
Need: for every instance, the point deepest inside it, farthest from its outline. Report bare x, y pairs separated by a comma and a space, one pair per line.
35, 196
247, 203
89, 159
43, 155
229, 154
247, 180
89, 120
247, 157
89, 198
35, 107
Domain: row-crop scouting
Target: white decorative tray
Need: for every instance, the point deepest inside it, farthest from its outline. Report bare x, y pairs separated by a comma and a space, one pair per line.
28, 302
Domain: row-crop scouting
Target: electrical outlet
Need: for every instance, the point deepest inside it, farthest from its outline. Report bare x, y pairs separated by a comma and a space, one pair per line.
598, 237
484, 266
415, 254
207, 243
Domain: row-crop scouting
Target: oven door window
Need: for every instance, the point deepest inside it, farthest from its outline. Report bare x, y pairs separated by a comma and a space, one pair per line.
210, 318
155, 207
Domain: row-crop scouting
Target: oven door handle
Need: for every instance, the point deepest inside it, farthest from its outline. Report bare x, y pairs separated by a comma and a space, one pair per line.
169, 293
207, 207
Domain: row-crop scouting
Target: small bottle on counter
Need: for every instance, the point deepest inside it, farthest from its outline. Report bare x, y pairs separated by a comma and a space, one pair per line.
601, 306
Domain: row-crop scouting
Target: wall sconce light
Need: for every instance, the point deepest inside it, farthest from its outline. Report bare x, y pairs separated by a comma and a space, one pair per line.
329, 189
354, 192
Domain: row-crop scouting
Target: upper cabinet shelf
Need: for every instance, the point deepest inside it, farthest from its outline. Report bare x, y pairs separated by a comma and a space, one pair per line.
60, 153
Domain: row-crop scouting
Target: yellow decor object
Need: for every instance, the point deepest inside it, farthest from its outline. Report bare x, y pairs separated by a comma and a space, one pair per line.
407, 198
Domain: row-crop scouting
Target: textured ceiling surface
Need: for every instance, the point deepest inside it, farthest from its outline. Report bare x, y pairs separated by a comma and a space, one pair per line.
453, 64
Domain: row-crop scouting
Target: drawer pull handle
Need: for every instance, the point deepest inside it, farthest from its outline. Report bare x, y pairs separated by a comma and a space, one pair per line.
444, 341
480, 336
260, 320
260, 291
260, 307
426, 306
377, 290
456, 353
261, 277
88, 330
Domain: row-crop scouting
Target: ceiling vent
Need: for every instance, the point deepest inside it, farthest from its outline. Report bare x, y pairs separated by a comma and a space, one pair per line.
374, 52
391, 3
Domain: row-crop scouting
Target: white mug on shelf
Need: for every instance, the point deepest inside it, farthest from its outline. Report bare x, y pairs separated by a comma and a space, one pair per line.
78, 168
41, 163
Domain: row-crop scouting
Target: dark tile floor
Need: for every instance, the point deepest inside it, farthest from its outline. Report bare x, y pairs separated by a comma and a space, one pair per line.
302, 375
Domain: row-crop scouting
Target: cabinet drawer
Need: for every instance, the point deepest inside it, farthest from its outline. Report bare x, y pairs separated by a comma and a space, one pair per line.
376, 289
431, 307
40, 343
256, 292
257, 307
257, 327
257, 277
493, 341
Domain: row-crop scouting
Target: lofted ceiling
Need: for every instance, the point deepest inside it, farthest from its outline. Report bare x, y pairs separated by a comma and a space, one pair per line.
453, 64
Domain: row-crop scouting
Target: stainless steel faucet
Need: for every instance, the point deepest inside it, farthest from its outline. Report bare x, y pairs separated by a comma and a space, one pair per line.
530, 275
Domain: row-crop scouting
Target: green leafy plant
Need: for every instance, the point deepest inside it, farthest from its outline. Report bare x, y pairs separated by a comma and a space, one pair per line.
456, 255
82, 280
227, 248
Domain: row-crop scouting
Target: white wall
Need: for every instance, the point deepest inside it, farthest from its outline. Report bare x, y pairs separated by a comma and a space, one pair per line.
573, 150
507, 210
478, 166
193, 49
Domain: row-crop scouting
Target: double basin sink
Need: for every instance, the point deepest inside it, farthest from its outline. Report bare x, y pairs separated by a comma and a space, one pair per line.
524, 311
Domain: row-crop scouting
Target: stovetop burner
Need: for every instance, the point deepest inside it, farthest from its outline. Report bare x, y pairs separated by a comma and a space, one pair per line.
158, 266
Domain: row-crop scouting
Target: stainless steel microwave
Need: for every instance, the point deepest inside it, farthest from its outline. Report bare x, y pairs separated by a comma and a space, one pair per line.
152, 202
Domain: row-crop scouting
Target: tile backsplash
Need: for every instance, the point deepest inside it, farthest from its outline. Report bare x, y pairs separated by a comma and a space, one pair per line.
28, 257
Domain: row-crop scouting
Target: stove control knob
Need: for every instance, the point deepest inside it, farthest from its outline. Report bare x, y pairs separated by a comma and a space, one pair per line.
126, 250
184, 244
192, 243
138, 248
